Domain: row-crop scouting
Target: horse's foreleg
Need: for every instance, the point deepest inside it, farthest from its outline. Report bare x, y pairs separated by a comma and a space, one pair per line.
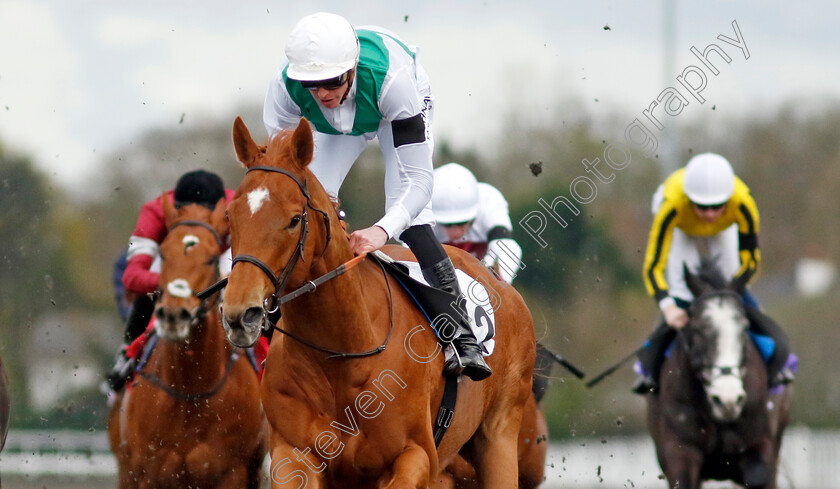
235, 478
410, 470
295, 469
759, 466
681, 465
496, 445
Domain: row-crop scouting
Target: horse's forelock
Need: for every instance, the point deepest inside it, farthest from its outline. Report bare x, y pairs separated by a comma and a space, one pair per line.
710, 274
192, 212
280, 152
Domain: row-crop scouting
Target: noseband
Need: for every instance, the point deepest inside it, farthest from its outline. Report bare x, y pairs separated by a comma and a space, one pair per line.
271, 304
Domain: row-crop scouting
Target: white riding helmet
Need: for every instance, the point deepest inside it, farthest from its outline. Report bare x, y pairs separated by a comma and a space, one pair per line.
709, 179
455, 194
321, 46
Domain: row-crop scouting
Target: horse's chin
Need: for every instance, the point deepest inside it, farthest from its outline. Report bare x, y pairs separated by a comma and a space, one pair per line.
241, 337
727, 398
725, 416
176, 332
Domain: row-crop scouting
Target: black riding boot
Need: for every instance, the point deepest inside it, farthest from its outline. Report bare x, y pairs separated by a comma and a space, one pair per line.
653, 357
439, 271
138, 320
762, 324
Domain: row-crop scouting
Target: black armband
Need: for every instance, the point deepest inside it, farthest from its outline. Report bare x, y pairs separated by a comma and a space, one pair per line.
499, 232
409, 131
747, 242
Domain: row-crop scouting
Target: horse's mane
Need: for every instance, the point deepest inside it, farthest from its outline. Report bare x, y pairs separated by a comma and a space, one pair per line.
710, 274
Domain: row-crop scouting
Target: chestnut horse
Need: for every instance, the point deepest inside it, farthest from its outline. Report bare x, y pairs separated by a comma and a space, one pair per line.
353, 386
193, 418
533, 438
713, 416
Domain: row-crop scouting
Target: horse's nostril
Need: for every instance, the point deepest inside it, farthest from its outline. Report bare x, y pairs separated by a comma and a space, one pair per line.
741, 399
252, 316
716, 400
159, 313
185, 315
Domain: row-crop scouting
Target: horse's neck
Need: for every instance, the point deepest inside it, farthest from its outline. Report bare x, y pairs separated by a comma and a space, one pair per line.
199, 362
339, 314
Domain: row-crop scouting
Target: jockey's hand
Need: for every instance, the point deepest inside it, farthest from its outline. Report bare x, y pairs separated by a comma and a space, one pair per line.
368, 239
675, 316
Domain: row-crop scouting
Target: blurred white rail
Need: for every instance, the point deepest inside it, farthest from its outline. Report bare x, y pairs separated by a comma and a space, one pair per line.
810, 460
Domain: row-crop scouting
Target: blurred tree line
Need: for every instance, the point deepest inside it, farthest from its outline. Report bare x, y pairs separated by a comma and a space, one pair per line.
584, 288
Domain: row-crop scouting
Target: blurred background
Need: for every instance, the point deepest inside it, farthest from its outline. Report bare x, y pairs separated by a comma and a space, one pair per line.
104, 105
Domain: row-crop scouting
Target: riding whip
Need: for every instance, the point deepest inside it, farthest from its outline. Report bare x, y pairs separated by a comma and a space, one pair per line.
569, 366
615, 367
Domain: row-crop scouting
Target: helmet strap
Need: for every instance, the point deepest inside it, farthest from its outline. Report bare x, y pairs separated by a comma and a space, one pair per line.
350, 79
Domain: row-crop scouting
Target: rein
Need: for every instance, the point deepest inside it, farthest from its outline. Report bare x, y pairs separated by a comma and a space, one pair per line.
309, 287
188, 397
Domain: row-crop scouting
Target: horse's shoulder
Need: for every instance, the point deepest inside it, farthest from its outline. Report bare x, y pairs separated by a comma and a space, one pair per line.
399, 253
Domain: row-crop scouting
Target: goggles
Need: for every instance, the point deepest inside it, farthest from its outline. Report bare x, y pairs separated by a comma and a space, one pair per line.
328, 84
708, 207
456, 224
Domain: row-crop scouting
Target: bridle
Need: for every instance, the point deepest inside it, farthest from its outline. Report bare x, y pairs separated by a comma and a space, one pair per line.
204, 305
272, 303
199, 315
707, 375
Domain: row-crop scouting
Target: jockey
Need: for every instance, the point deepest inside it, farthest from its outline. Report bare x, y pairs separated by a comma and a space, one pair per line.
473, 216
354, 85
140, 277
702, 211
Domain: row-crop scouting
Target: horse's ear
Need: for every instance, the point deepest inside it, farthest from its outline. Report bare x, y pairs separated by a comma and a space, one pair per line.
169, 210
303, 143
739, 284
219, 217
695, 285
246, 149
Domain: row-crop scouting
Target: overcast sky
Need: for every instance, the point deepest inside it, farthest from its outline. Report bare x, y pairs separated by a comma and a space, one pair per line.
81, 78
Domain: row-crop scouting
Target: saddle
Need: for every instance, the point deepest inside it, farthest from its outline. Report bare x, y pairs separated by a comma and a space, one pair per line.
434, 303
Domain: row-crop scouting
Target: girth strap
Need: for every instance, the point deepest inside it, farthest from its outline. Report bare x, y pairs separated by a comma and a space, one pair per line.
447, 408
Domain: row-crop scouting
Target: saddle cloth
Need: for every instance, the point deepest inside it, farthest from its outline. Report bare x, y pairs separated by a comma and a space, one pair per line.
428, 299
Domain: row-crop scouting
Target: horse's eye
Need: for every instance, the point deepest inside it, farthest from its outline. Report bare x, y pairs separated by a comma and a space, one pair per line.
295, 221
